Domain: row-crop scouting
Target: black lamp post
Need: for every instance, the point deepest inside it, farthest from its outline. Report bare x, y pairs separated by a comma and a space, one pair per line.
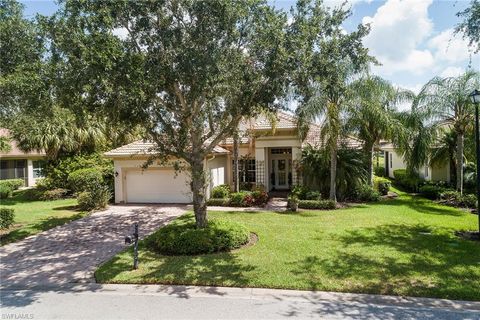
475, 97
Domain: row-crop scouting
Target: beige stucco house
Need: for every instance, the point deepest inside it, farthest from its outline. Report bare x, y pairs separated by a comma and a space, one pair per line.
394, 161
16, 164
268, 157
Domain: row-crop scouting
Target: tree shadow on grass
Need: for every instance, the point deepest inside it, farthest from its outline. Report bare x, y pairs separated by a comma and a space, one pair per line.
417, 261
31, 229
218, 269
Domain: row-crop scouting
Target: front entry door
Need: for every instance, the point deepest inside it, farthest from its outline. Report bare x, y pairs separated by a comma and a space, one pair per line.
280, 172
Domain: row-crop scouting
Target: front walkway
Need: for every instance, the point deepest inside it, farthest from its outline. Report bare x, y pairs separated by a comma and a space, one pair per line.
72, 252
274, 204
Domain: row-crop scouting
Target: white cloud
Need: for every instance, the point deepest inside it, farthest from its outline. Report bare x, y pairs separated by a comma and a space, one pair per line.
451, 72
397, 29
449, 47
337, 3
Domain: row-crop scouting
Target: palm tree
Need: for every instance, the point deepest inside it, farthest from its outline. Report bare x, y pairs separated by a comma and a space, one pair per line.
445, 101
372, 108
57, 133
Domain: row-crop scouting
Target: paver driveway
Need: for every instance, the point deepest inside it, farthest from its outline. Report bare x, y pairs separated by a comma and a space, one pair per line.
71, 253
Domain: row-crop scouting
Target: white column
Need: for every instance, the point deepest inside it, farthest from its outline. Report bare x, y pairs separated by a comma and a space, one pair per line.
30, 179
296, 157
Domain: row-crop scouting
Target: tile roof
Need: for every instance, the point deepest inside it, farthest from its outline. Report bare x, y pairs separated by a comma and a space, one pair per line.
313, 139
144, 148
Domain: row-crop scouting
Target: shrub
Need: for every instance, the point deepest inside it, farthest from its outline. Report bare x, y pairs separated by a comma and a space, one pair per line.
366, 193
186, 239
57, 172
54, 194
85, 179
382, 185
5, 191
7, 216
218, 202
14, 184
292, 203
241, 199
432, 192
379, 171
409, 182
469, 200
316, 204
260, 197
313, 195
96, 198
33, 194
300, 192
221, 192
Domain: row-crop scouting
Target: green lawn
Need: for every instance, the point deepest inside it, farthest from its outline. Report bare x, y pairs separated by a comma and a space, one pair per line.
404, 246
32, 217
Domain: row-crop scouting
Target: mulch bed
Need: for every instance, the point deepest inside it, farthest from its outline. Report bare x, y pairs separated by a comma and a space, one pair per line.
468, 235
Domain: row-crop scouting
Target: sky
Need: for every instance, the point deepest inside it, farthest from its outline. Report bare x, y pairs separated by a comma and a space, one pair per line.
412, 39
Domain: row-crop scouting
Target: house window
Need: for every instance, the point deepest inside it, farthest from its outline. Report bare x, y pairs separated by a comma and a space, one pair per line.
246, 170
38, 169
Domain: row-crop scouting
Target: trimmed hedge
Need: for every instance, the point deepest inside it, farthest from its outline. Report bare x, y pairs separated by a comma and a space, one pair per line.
411, 183
186, 239
95, 198
366, 193
85, 179
379, 171
431, 192
14, 184
317, 204
7, 216
218, 202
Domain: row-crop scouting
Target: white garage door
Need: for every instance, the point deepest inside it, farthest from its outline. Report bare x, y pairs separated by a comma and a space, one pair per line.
157, 186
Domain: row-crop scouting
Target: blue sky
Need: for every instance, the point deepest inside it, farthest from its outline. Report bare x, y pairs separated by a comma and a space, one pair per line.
413, 39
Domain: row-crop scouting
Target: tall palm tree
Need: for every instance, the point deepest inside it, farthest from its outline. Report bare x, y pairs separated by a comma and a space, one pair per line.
446, 102
371, 108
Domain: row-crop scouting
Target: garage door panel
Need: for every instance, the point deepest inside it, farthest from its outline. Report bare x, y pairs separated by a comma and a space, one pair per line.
157, 186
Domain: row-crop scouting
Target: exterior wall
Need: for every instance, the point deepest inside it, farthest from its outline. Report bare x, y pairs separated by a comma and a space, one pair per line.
217, 167
394, 162
440, 173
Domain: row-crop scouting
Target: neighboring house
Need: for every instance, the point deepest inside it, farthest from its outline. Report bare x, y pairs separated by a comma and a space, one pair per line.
16, 164
268, 157
394, 161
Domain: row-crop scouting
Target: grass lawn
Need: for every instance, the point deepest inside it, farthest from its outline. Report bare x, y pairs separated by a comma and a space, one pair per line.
32, 217
404, 246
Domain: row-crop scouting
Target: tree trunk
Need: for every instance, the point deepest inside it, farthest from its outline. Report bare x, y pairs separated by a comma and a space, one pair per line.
460, 142
236, 146
198, 187
369, 152
333, 174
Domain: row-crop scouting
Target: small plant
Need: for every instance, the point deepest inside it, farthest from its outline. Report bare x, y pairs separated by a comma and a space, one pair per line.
379, 171
300, 192
469, 200
317, 204
382, 185
187, 239
260, 197
221, 192
7, 216
292, 203
96, 198
366, 193
313, 195
240, 199
5, 191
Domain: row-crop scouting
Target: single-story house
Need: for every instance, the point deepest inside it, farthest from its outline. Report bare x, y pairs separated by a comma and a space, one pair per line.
268, 157
16, 164
394, 161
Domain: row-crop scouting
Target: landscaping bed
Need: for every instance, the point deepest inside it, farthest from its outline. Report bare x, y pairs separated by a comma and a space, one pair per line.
405, 246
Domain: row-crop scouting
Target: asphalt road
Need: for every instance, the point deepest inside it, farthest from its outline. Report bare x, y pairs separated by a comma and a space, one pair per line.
92, 301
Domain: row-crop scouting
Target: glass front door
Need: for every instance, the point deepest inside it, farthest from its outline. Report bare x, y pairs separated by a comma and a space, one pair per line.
280, 170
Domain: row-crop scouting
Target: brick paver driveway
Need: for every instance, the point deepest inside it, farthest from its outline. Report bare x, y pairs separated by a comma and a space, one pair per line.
71, 253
